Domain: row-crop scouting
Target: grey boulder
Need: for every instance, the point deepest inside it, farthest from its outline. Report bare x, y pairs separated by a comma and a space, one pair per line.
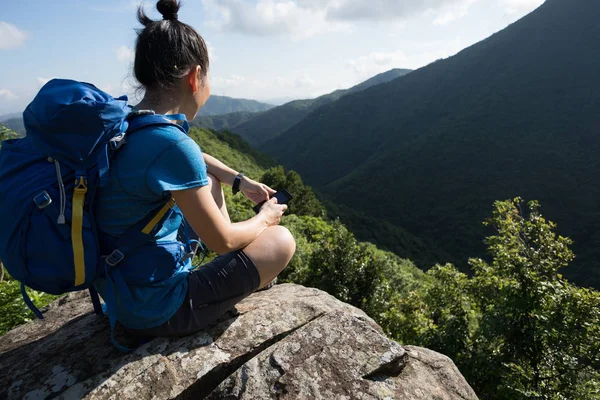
289, 342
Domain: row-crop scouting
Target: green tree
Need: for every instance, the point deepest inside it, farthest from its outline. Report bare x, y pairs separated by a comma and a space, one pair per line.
308, 232
359, 273
304, 202
538, 335
6, 133
13, 310
517, 329
440, 314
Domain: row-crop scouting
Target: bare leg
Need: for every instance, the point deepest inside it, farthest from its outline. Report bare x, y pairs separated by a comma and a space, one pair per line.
217, 193
271, 252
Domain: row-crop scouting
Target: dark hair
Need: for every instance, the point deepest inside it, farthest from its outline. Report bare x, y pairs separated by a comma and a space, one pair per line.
166, 50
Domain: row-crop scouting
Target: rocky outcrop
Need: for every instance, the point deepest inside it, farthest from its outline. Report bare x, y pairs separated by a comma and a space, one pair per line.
289, 342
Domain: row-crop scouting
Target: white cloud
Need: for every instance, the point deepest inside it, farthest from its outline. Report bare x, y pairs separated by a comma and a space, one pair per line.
11, 36
304, 81
304, 18
125, 54
228, 82
354, 10
377, 62
272, 17
236, 85
6, 94
520, 6
448, 14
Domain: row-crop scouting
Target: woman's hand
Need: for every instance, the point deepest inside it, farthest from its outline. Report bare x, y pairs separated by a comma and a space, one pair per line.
272, 211
255, 191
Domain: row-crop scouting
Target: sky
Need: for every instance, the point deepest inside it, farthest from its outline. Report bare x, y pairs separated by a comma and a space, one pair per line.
268, 50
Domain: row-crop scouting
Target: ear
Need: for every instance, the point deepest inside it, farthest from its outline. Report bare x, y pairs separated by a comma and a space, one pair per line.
194, 78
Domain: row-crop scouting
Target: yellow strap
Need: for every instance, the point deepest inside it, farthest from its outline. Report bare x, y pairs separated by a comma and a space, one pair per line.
158, 217
76, 230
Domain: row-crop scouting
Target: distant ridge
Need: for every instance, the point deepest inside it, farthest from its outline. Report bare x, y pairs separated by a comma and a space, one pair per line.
216, 105
257, 129
6, 117
15, 124
514, 115
219, 105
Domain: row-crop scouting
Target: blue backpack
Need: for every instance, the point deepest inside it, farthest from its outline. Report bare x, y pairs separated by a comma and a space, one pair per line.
49, 240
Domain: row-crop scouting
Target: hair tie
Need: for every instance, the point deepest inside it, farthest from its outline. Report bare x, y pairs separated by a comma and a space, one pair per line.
170, 16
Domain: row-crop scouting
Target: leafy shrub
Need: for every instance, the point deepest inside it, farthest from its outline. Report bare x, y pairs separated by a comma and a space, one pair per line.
517, 329
13, 310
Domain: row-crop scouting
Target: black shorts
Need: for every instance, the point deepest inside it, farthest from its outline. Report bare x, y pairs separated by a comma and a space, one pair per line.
213, 289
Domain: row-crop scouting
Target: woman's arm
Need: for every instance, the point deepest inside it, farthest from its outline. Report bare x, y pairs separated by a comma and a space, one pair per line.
220, 170
255, 191
220, 235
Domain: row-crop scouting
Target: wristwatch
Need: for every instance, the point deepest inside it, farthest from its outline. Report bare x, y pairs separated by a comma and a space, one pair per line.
236, 183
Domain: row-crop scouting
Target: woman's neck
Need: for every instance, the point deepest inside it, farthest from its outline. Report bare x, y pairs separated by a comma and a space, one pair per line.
159, 104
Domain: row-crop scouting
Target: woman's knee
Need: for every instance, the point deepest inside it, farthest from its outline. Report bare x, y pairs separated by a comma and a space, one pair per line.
284, 242
273, 249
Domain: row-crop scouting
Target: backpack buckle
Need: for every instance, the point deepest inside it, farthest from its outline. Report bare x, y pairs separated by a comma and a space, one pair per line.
42, 200
114, 258
116, 142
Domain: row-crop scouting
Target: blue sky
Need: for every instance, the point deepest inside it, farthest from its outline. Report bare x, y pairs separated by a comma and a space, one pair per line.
267, 50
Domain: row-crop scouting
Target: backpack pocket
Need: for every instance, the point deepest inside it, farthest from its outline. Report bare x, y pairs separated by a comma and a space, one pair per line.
49, 248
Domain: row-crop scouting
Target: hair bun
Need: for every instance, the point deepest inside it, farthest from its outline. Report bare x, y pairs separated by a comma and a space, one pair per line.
168, 9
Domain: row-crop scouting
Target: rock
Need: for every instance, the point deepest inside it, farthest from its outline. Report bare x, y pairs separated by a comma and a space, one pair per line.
289, 342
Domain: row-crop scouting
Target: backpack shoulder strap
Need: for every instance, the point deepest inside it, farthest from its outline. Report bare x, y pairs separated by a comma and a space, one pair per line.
137, 120
143, 119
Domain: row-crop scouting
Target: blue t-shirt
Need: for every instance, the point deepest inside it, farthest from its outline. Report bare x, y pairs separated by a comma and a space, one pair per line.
154, 162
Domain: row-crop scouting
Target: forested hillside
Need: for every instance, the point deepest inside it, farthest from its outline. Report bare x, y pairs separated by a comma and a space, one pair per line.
15, 124
516, 329
258, 128
6, 133
219, 105
515, 114
222, 122
5, 117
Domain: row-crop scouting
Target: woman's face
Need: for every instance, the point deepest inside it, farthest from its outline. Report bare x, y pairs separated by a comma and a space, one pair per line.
203, 92
198, 97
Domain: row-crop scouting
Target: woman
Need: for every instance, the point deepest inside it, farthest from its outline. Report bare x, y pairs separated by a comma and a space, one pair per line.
171, 63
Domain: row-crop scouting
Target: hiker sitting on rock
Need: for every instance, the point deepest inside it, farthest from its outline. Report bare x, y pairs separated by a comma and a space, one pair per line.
160, 162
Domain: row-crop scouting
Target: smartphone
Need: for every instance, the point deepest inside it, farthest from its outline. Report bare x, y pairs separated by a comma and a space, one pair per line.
282, 196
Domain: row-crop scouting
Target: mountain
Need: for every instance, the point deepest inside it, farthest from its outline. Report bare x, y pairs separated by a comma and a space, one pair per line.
219, 105
235, 111
514, 115
256, 129
378, 79
222, 122
15, 124
5, 117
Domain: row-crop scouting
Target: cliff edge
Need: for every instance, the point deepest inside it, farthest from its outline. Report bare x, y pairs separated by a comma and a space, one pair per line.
289, 342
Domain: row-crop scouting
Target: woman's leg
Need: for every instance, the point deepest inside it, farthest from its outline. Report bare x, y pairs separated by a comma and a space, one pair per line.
219, 285
271, 251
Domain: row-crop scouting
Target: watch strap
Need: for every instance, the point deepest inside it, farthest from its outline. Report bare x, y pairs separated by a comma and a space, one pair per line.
236, 183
